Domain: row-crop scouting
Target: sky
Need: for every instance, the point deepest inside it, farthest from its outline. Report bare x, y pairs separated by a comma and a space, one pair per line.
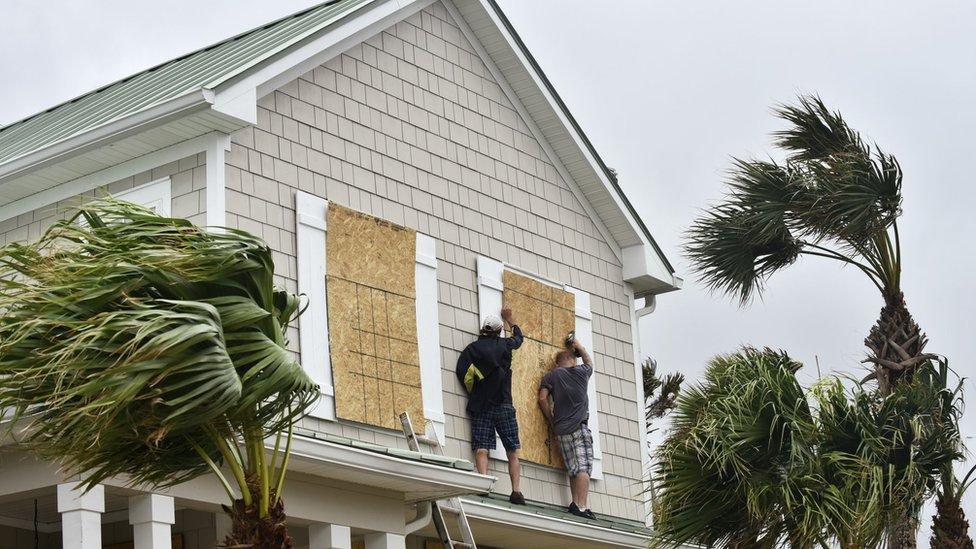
668, 92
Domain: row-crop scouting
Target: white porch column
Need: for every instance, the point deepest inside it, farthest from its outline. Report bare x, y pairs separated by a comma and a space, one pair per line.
81, 516
385, 540
329, 536
151, 517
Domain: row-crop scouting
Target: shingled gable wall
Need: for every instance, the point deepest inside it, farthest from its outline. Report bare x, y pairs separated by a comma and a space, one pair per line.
410, 126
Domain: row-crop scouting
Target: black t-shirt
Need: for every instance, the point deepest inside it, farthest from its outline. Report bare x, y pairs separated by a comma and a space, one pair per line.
485, 369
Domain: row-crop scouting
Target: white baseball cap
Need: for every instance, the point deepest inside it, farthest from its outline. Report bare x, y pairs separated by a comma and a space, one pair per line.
492, 323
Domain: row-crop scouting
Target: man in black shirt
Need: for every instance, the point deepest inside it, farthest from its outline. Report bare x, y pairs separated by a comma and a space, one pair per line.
485, 369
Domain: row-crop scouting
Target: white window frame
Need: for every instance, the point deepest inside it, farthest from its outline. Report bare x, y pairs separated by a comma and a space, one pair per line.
490, 288
156, 195
311, 215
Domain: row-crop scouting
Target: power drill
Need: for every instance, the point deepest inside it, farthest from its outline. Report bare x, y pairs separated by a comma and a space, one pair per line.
570, 338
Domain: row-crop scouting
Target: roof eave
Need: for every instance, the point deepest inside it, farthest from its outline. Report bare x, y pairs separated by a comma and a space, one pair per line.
178, 107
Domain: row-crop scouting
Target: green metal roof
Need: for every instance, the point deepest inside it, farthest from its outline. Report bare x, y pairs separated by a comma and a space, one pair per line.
443, 461
202, 69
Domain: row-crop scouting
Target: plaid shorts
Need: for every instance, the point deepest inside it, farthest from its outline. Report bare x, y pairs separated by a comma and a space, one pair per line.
577, 448
499, 418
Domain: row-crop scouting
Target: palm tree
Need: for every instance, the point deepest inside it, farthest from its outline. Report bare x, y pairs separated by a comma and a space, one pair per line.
738, 468
950, 529
140, 346
750, 463
835, 197
660, 393
885, 454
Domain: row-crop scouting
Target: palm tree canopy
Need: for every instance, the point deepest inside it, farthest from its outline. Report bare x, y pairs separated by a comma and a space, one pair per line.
738, 468
834, 196
125, 335
755, 460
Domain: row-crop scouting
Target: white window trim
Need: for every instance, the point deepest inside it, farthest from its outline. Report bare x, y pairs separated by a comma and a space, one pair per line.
155, 194
313, 328
490, 289
313, 324
428, 337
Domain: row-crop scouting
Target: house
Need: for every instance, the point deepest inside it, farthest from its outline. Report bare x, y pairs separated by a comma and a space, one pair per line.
428, 126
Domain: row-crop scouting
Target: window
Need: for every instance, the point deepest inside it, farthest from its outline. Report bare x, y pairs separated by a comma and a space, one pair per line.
546, 311
154, 195
370, 335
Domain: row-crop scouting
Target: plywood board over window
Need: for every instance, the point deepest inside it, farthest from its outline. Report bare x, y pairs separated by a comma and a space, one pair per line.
545, 314
372, 318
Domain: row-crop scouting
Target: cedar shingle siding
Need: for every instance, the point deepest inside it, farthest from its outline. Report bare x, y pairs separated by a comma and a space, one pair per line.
410, 127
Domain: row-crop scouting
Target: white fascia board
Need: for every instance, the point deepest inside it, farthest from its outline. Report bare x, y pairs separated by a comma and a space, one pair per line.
350, 458
536, 132
479, 510
113, 131
114, 173
238, 98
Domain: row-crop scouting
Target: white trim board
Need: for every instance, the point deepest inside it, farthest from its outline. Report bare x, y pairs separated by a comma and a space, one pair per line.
313, 325
490, 290
312, 226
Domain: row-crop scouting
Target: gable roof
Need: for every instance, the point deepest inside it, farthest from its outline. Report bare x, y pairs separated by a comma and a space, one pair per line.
197, 82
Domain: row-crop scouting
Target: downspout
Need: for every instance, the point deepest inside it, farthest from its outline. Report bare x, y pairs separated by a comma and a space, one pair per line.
424, 513
650, 303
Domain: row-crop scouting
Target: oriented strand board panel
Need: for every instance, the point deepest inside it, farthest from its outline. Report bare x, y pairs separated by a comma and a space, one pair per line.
545, 314
372, 319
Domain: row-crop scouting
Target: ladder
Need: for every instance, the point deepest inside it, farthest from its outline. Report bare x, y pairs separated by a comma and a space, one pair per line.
450, 506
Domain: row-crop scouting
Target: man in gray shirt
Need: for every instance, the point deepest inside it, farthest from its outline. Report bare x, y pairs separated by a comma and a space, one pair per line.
568, 412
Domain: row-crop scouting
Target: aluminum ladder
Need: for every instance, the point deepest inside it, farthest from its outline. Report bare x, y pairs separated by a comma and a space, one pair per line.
450, 506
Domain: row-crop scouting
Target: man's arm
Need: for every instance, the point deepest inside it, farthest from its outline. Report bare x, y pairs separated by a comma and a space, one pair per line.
581, 350
544, 404
515, 341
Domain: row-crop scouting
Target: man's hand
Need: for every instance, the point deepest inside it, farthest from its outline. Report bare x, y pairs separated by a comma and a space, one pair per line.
581, 352
507, 316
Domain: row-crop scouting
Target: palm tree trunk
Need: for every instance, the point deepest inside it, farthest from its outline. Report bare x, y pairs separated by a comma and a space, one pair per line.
950, 529
251, 531
903, 530
896, 343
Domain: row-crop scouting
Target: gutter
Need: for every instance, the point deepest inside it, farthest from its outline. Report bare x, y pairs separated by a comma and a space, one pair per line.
195, 100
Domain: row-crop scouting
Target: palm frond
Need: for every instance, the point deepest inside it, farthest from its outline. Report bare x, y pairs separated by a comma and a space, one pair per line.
836, 196
126, 338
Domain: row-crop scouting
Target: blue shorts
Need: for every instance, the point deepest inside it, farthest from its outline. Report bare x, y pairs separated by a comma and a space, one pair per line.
500, 419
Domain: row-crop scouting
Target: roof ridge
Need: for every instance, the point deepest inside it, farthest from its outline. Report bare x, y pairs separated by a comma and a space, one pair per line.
176, 59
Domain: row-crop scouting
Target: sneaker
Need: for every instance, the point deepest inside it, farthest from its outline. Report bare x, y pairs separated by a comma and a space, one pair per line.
589, 514
576, 511
517, 498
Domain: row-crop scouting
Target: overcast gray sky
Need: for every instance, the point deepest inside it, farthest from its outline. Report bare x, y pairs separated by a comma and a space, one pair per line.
667, 91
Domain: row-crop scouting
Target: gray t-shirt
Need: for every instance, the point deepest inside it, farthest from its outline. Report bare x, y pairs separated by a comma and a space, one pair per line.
570, 403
